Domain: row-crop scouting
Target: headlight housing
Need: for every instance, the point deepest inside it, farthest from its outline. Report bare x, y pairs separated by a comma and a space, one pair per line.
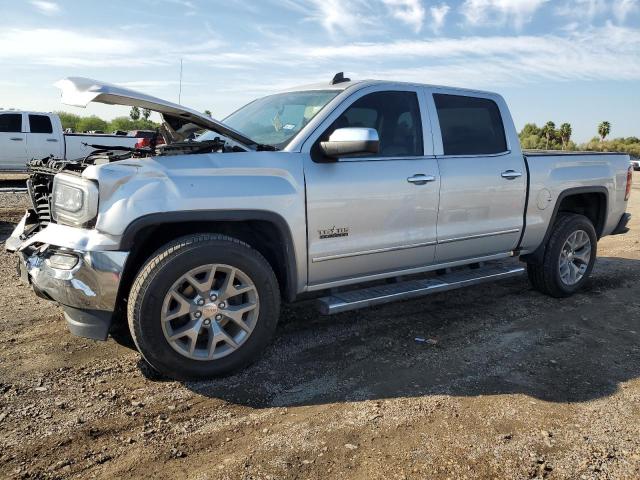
74, 200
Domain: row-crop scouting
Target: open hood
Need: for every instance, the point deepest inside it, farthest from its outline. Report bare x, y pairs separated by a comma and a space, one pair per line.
179, 121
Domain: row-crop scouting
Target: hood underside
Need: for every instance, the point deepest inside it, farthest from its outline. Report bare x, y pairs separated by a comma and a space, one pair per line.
179, 121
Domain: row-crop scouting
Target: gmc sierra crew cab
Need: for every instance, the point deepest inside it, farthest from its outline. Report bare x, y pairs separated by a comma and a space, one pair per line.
351, 193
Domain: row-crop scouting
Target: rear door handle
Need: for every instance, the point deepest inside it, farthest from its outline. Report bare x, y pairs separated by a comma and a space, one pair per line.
421, 179
511, 174
52, 139
16, 139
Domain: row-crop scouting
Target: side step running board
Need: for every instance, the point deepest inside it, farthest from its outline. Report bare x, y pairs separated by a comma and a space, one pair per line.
351, 300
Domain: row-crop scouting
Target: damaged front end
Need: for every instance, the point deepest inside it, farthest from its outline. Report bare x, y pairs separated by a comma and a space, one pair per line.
77, 267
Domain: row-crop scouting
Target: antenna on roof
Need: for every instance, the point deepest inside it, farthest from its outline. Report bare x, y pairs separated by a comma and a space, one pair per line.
339, 78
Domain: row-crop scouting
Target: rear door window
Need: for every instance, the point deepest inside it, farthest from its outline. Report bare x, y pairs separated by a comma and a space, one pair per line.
11, 122
40, 124
470, 125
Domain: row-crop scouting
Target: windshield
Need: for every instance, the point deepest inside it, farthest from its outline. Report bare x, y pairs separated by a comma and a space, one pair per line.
276, 119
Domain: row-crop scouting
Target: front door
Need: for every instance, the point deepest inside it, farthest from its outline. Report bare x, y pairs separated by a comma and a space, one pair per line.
13, 151
373, 215
483, 188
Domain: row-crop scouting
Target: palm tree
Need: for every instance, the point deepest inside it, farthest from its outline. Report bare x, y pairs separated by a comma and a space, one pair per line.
548, 131
565, 134
603, 130
134, 113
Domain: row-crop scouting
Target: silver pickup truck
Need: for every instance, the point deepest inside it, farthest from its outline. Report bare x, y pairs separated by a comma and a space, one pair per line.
352, 193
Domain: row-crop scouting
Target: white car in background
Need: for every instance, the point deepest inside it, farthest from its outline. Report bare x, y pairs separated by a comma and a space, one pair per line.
28, 135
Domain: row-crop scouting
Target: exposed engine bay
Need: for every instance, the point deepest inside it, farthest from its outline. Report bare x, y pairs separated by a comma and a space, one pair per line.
42, 171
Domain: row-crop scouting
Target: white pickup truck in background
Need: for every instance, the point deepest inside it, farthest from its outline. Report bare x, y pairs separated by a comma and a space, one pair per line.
28, 135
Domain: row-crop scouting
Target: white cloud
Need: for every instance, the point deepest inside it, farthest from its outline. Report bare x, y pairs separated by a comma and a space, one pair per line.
504, 60
346, 16
438, 16
69, 48
592, 10
623, 8
410, 12
583, 9
46, 7
497, 12
79, 48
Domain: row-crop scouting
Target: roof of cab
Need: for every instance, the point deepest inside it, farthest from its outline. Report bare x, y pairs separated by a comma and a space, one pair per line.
370, 82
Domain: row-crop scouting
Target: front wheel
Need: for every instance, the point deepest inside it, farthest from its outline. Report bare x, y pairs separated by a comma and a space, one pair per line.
568, 259
203, 306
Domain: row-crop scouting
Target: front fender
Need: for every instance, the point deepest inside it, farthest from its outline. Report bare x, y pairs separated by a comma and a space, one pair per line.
135, 194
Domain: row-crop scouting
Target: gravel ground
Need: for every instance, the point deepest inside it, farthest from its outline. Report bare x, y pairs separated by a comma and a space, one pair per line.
518, 385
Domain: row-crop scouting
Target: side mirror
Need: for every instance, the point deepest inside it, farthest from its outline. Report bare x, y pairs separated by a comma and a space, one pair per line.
347, 142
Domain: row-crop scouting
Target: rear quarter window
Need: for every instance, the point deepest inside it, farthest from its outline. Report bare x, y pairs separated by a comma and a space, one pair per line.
470, 125
40, 124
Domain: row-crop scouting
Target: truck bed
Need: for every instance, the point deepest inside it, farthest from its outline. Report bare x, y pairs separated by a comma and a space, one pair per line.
554, 174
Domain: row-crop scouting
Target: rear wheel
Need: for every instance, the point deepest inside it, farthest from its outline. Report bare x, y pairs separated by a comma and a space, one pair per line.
569, 257
203, 306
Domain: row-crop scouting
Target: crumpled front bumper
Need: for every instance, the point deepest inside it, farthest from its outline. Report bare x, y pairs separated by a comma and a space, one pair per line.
87, 292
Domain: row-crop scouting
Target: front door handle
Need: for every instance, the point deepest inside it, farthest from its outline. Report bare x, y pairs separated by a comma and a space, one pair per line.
16, 139
421, 179
511, 174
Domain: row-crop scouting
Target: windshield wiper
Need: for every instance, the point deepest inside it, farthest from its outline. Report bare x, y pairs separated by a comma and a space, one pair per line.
261, 147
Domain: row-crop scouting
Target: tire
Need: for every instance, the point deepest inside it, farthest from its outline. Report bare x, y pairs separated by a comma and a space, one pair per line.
161, 292
546, 277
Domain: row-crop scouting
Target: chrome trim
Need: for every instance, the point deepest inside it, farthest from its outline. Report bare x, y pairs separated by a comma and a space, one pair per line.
369, 252
344, 301
354, 134
510, 174
421, 179
407, 271
480, 155
480, 235
383, 159
91, 285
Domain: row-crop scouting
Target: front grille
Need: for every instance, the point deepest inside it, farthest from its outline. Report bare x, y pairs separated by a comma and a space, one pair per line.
40, 191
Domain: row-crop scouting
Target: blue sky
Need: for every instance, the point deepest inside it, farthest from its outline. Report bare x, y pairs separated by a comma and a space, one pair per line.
560, 60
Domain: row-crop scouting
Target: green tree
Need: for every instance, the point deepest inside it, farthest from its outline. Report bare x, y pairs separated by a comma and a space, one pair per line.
69, 120
548, 131
146, 113
134, 113
530, 129
86, 124
207, 113
603, 130
126, 124
565, 134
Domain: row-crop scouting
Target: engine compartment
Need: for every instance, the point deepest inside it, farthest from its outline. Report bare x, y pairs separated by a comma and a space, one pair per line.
41, 171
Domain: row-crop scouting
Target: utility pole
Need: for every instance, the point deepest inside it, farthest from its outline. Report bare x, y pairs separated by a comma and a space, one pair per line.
180, 88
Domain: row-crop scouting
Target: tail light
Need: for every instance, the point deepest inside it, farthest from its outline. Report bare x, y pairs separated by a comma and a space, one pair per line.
143, 143
627, 192
146, 142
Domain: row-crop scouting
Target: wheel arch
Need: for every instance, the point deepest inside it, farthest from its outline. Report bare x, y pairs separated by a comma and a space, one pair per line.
265, 231
592, 202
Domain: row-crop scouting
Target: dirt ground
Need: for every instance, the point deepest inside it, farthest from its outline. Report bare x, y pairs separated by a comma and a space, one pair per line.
519, 385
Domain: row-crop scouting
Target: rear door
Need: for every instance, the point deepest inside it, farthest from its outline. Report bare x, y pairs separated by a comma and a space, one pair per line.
369, 215
483, 188
41, 141
13, 153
